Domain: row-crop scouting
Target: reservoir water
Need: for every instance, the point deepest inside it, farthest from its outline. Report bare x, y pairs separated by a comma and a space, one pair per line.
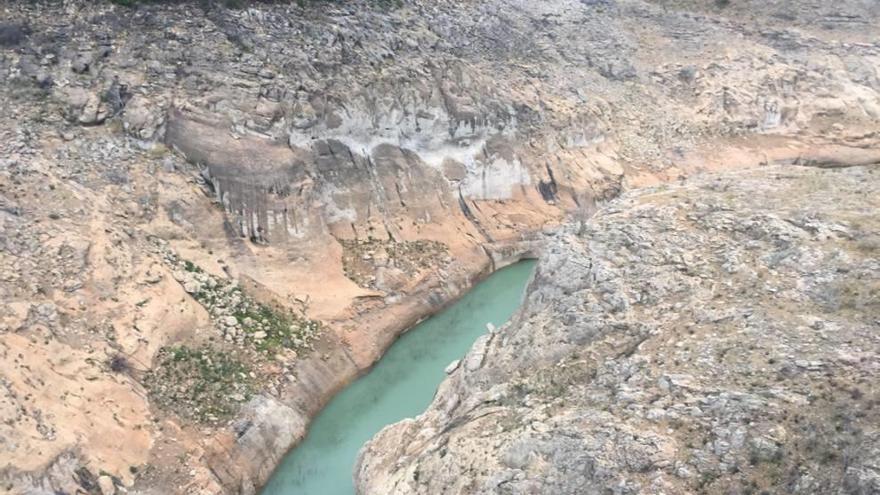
401, 385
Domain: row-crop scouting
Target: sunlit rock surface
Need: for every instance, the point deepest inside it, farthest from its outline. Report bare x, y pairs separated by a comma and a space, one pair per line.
719, 336
347, 164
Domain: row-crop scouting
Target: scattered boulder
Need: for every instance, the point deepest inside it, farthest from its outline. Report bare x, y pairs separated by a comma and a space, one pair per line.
80, 64
116, 96
451, 367
142, 119
82, 106
106, 485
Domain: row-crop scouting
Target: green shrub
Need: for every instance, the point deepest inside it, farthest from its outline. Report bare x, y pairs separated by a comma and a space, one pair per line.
202, 384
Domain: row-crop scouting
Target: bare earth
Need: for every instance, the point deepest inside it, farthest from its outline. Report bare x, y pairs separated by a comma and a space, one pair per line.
213, 219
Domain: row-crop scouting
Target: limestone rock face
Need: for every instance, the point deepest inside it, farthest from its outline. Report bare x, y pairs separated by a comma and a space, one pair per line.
353, 164
362, 120
719, 336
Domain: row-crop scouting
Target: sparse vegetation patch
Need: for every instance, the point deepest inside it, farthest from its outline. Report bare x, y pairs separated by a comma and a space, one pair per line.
239, 317
362, 258
202, 384
252, 349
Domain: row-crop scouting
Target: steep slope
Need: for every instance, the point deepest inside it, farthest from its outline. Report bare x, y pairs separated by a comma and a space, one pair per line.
719, 336
213, 219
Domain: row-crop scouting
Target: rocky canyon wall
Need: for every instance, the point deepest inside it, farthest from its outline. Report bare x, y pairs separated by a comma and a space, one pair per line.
259, 200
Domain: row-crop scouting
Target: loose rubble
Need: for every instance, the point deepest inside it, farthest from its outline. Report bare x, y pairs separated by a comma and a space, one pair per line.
209, 382
366, 261
204, 384
241, 319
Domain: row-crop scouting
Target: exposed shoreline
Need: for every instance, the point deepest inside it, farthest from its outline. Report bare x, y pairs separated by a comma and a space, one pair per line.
712, 336
244, 464
234, 466
359, 166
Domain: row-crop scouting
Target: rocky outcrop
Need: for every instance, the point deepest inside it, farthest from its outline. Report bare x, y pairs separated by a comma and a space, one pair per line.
719, 336
352, 163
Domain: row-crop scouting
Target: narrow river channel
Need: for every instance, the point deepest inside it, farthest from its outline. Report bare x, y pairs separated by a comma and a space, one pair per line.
400, 386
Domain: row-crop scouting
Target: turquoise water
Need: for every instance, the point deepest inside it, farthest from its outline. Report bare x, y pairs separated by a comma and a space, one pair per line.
400, 386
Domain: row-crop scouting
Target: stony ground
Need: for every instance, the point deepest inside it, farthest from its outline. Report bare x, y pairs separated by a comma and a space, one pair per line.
319, 179
720, 336
371, 262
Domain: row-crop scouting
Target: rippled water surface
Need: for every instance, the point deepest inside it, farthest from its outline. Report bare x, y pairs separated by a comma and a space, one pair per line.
400, 386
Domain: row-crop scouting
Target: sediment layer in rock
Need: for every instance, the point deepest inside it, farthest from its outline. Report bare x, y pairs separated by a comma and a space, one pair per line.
720, 336
350, 164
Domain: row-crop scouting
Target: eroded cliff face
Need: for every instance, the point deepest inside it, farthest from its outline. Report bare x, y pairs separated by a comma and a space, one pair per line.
719, 336
260, 200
